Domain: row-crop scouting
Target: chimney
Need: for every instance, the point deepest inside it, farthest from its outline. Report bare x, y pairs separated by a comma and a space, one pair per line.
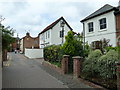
119, 5
27, 34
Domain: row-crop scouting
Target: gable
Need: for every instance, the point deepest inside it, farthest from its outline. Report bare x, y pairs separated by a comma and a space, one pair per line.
54, 23
105, 9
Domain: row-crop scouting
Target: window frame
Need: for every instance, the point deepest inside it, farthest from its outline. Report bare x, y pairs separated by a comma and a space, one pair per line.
102, 23
90, 27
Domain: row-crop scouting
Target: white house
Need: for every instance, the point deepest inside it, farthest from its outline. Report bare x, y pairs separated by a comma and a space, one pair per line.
54, 33
103, 23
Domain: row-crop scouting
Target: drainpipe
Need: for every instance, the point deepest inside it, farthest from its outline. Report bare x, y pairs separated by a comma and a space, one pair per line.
83, 36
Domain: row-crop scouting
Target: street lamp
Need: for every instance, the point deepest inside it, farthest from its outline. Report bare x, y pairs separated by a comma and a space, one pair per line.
62, 24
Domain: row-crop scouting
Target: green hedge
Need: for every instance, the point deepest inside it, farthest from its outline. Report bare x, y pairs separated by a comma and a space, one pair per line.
53, 53
90, 67
106, 64
98, 65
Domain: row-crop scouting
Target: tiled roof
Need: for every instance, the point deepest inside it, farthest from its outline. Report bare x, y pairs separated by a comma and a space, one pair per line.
106, 8
54, 23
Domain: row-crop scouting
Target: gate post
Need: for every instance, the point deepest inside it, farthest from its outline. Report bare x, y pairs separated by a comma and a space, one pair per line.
118, 74
77, 64
65, 64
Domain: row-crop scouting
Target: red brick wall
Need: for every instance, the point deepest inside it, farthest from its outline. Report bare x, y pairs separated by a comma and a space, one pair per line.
117, 27
28, 42
14, 45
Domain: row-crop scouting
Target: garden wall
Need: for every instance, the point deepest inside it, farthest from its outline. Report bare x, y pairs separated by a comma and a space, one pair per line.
34, 53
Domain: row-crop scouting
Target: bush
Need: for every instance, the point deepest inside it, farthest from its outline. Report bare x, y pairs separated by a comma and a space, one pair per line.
87, 50
106, 64
53, 53
90, 67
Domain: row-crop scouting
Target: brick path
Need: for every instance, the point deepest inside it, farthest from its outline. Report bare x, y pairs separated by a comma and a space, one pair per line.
26, 73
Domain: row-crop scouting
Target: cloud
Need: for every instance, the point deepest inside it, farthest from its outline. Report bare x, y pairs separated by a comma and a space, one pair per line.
35, 15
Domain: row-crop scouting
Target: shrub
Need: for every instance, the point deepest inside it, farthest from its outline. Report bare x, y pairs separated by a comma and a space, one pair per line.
73, 45
86, 50
90, 67
106, 64
53, 53
68, 46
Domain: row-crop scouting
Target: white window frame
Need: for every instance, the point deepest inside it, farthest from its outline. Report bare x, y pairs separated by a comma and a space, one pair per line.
91, 27
102, 24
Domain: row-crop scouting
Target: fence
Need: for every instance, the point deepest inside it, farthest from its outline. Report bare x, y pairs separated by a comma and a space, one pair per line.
34, 53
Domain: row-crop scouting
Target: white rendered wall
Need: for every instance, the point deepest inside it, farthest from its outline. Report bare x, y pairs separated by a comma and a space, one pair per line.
97, 34
54, 35
34, 53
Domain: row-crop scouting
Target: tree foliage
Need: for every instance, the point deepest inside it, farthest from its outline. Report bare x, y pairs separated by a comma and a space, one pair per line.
6, 37
73, 45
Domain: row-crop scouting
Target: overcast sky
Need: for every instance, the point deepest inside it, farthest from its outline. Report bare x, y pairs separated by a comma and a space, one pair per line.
35, 15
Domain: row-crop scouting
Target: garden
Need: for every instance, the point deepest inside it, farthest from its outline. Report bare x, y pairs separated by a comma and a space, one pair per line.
98, 65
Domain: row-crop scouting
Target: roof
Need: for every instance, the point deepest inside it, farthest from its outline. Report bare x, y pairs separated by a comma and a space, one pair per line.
28, 36
106, 8
117, 11
54, 23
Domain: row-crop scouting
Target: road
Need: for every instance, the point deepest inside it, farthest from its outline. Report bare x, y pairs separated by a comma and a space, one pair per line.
21, 72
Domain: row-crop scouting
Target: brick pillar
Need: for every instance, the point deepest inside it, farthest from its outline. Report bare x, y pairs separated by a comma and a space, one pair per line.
118, 75
77, 64
65, 64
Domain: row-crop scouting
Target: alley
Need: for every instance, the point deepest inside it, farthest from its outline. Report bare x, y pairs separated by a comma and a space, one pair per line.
22, 72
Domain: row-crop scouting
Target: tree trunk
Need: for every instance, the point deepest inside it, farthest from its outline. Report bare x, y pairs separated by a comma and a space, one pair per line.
4, 55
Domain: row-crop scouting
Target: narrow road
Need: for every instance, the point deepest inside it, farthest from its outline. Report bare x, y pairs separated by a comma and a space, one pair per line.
21, 72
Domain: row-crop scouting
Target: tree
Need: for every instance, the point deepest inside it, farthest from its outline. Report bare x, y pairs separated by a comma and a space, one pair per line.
6, 37
68, 46
73, 45
6, 40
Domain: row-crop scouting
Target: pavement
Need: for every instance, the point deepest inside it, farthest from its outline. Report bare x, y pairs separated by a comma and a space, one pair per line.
21, 72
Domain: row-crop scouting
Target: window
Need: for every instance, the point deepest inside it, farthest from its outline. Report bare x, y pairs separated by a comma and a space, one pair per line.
61, 34
48, 34
90, 26
103, 24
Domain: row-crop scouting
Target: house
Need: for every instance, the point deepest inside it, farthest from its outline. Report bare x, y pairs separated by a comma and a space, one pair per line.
54, 33
16, 44
28, 42
103, 23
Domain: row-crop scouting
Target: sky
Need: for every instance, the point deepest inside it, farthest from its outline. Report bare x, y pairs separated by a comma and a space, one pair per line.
34, 15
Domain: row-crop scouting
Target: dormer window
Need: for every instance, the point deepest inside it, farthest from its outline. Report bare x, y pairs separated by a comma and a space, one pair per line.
103, 24
90, 27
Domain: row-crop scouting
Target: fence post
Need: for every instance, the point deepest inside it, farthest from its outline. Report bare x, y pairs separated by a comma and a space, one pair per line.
77, 64
118, 74
65, 64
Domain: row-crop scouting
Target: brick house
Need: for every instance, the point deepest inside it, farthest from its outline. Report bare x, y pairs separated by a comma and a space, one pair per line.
28, 42
117, 14
103, 23
15, 45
